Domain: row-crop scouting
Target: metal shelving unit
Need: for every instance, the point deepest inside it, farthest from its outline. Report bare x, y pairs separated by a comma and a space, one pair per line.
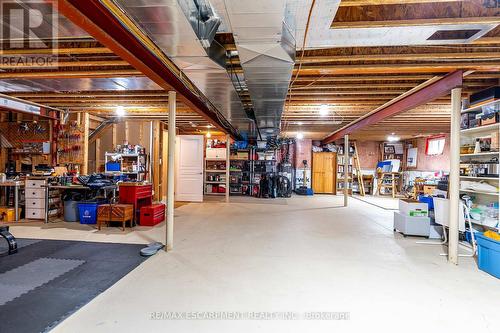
467, 160
214, 176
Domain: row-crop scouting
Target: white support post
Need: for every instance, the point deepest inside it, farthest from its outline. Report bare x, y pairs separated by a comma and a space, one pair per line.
171, 170
228, 164
454, 180
346, 170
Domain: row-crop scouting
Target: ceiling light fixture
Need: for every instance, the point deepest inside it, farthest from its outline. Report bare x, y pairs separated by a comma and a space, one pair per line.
324, 110
393, 138
120, 111
300, 135
208, 135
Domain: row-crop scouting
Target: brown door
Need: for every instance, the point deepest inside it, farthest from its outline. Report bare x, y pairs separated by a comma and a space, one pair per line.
323, 173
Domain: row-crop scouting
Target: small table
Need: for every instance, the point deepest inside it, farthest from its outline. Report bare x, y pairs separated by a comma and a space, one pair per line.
16, 185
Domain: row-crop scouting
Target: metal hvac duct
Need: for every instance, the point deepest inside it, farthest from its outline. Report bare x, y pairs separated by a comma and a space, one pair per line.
266, 50
184, 30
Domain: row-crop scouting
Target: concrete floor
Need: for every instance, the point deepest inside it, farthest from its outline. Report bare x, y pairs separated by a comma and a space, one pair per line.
301, 255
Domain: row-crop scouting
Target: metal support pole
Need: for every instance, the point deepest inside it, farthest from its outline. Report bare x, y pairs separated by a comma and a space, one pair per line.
16, 201
346, 170
454, 181
228, 165
171, 170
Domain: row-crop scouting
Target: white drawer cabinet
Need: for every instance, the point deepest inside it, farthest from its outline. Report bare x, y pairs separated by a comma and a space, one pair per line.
35, 183
35, 214
35, 203
35, 198
35, 193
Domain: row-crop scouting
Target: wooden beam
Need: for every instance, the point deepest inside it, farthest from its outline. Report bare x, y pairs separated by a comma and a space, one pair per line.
65, 51
400, 57
85, 125
72, 74
62, 64
416, 22
400, 68
97, 154
487, 40
351, 3
429, 92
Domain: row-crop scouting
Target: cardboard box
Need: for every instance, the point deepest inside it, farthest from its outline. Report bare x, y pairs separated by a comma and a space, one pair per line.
8, 214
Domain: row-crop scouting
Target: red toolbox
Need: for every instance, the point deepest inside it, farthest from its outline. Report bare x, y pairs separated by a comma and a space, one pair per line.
138, 195
130, 192
152, 215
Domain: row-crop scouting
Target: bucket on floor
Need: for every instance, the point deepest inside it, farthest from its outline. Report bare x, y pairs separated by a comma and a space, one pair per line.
88, 212
488, 255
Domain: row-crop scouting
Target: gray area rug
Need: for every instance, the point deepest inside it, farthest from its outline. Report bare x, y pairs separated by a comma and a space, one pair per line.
49, 280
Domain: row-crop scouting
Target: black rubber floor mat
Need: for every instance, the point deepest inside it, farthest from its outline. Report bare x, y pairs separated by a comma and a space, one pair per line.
99, 266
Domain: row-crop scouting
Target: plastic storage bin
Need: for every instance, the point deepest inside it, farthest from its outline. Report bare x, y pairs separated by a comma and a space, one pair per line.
113, 166
488, 255
428, 200
88, 212
71, 211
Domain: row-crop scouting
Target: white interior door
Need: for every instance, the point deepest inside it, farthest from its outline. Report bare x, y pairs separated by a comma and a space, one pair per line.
189, 178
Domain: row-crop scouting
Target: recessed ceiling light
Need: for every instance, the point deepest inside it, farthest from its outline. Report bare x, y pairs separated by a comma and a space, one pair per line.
300, 135
300, 123
323, 110
209, 135
393, 138
120, 111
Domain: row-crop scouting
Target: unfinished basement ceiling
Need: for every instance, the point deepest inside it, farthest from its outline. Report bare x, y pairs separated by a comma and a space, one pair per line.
345, 76
169, 24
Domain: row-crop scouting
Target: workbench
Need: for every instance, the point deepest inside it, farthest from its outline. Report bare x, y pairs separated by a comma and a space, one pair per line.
86, 189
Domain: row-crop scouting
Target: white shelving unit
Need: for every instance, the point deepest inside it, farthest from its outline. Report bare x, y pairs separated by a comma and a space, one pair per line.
468, 136
138, 159
215, 177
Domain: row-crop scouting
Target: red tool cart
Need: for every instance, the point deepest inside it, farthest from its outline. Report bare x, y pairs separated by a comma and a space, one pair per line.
137, 195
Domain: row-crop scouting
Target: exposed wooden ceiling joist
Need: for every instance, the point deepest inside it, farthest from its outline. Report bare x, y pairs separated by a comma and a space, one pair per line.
400, 68
114, 73
59, 51
416, 22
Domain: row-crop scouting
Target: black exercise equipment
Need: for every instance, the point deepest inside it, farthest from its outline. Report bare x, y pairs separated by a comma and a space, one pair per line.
11, 240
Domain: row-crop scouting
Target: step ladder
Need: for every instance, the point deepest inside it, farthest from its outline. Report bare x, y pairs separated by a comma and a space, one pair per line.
359, 175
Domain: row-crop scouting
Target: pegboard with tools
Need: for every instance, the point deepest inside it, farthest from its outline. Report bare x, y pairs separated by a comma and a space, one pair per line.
70, 142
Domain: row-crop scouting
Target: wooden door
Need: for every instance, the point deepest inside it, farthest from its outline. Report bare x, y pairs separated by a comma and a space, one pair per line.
323, 173
189, 160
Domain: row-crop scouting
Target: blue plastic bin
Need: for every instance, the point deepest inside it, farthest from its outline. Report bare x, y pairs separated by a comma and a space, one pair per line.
488, 255
428, 200
113, 166
88, 212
